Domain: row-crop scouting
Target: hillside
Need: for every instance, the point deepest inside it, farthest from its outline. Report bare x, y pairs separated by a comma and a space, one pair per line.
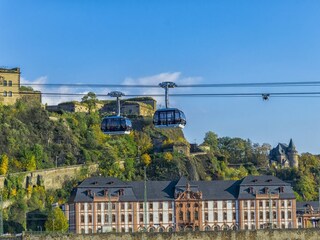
32, 138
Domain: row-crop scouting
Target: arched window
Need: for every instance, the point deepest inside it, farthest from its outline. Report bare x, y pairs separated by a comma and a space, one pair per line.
5, 93
170, 229
10, 83
207, 228
161, 229
152, 229
5, 83
289, 214
225, 227
10, 94
216, 228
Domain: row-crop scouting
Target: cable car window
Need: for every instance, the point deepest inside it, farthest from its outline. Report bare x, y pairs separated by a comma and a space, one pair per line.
177, 115
163, 117
170, 117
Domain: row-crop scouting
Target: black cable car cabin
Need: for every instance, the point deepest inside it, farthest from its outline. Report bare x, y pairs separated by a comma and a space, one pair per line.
169, 118
116, 125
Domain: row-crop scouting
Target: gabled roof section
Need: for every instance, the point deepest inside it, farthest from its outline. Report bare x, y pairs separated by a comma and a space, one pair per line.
264, 180
102, 182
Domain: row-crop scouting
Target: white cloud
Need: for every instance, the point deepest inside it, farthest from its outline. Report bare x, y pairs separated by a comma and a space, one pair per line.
175, 77
147, 80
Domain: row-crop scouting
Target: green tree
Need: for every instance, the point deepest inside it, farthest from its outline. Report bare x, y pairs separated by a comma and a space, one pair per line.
57, 221
91, 100
211, 140
4, 164
31, 163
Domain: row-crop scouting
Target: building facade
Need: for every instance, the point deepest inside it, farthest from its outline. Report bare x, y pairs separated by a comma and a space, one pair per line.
9, 85
108, 204
10, 88
284, 155
308, 214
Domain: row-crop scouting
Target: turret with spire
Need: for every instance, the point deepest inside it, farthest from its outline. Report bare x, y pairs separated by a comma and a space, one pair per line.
293, 154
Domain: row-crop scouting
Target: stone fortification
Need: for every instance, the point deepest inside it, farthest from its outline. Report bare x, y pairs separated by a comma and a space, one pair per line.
279, 234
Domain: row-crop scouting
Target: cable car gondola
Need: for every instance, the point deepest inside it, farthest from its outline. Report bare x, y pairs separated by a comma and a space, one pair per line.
169, 117
116, 125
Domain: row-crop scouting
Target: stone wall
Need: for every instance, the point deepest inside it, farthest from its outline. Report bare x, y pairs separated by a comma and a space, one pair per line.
52, 178
283, 234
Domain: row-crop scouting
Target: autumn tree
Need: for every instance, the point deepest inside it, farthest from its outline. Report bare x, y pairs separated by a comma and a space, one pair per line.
57, 221
146, 159
4, 164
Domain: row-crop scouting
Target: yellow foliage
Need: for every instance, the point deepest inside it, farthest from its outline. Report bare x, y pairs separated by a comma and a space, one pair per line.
29, 190
146, 159
168, 156
13, 192
4, 164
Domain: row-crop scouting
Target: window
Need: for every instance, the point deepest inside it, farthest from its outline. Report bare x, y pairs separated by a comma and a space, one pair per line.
246, 215
215, 205
10, 94
274, 203
268, 215
82, 206
130, 218
113, 218
252, 215
188, 216
224, 204
206, 216
89, 206
10, 83
224, 216
170, 205
151, 217
141, 205
122, 218
196, 215
252, 204
188, 205
289, 214
283, 225
122, 205
289, 203
106, 218
206, 205
141, 217
99, 218
90, 218
282, 203
160, 205
261, 215
170, 217
5, 93
282, 214
234, 215
113, 206
150, 205
99, 206
129, 205
82, 218
160, 217
274, 215
245, 204
253, 226
180, 215
106, 206
233, 204
215, 215
260, 204
5, 83
267, 203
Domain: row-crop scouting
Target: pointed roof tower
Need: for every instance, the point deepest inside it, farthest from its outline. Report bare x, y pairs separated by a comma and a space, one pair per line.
291, 146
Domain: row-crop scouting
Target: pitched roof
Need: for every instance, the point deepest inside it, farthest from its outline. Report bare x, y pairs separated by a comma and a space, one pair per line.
165, 190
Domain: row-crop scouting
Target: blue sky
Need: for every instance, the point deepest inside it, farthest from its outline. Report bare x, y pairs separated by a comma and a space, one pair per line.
184, 41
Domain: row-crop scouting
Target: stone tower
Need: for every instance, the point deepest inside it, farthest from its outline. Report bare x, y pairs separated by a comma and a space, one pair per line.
292, 155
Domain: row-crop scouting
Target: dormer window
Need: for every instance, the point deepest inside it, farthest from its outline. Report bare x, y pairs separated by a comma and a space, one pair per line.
266, 190
281, 189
